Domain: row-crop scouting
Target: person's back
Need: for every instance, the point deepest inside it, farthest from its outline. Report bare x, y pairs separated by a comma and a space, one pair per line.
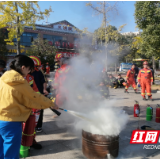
39, 80
136, 70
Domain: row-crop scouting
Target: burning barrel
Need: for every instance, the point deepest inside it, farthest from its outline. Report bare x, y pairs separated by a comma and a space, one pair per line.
96, 146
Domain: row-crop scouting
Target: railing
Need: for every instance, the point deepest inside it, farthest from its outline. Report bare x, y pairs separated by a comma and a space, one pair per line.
53, 29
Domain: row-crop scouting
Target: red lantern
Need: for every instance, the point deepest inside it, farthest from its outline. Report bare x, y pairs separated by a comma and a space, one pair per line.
50, 43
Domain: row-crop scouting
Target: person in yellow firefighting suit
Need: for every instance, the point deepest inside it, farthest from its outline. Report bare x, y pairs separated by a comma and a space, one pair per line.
145, 79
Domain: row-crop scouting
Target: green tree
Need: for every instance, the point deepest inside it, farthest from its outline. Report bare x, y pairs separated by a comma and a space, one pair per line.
112, 40
147, 16
15, 15
43, 50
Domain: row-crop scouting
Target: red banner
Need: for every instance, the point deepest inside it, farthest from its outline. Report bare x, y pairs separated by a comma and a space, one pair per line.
68, 54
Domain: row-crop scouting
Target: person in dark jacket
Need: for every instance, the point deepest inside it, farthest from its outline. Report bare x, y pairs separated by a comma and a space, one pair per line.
2, 66
136, 72
42, 86
119, 81
150, 67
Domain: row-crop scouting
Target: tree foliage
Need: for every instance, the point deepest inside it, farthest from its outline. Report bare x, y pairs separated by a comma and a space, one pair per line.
112, 39
42, 49
15, 15
147, 16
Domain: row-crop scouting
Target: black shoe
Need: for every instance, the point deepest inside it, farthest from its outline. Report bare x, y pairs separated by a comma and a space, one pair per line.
144, 99
135, 91
150, 99
38, 130
36, 145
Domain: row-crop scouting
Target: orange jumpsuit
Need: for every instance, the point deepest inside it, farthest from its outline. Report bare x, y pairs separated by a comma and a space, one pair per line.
145, 78
47, 69
130, 79
60, 77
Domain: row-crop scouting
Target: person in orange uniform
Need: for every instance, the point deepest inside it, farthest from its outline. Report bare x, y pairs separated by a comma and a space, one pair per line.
130, 79
145, 79
47, 68
60, 77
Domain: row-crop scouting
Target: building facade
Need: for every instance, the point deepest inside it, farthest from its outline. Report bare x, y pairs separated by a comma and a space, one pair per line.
60, 34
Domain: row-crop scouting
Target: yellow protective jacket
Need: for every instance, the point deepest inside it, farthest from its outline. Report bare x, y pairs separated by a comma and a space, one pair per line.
17, 98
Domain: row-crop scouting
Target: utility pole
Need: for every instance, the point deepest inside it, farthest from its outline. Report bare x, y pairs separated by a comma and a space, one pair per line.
104, 21
104, 8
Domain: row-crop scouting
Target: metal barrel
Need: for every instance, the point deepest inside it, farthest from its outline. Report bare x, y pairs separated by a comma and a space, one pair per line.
96, 146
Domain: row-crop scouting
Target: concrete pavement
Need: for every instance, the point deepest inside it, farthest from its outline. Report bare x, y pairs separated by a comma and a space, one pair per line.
61, 143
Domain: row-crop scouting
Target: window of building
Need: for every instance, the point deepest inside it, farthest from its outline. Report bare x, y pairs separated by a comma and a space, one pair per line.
52, 38
27, 38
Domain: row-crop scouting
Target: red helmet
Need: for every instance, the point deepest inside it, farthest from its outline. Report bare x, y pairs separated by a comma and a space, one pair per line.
145, 63
58, 56
36, 60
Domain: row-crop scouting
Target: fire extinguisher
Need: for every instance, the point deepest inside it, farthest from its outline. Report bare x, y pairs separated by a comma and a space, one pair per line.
149, 113
136, 109
36, 112
158, 114
28, 131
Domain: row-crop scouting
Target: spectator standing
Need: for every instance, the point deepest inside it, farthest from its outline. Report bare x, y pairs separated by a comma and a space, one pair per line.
136, 72
42, 87
152, 70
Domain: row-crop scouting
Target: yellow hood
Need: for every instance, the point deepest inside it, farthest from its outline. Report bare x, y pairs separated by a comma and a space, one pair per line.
12, 78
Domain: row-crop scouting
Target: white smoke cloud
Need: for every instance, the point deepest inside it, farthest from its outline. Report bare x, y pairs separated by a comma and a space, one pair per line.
81, 90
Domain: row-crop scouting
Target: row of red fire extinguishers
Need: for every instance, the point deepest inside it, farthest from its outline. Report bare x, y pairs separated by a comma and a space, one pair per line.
149, 112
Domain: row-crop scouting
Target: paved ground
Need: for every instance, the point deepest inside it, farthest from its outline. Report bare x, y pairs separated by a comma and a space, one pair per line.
61, 143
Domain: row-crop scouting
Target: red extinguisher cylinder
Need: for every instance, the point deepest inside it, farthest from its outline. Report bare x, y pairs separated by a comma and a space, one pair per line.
28, 131
157, 115
136, 110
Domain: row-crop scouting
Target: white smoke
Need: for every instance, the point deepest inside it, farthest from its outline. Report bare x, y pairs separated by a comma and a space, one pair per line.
81, 90
105, 120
